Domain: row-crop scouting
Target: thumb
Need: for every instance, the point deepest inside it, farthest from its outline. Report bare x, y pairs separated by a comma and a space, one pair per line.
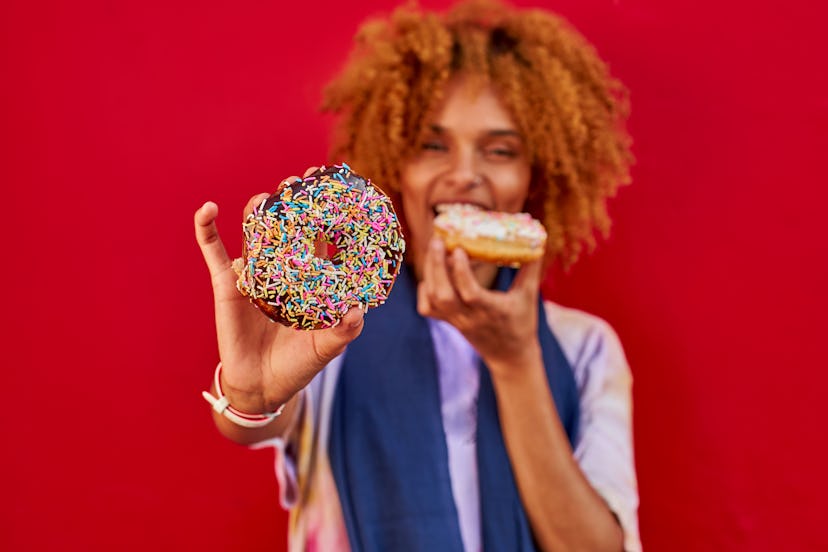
528, 278
331, 342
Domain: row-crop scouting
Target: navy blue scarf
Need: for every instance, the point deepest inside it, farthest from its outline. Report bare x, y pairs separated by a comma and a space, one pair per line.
388, 449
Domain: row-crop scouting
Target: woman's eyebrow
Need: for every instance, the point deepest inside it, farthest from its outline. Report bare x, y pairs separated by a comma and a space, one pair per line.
438, 129
504, 132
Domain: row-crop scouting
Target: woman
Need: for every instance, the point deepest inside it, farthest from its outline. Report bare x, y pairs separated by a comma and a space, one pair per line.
469, 414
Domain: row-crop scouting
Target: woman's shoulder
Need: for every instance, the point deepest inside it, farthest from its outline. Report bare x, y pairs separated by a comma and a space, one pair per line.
574, 325
588, 341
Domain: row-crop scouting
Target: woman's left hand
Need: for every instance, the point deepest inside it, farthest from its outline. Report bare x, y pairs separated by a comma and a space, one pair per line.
501, 326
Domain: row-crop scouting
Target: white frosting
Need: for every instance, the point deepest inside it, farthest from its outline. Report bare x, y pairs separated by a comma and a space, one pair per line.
473, 222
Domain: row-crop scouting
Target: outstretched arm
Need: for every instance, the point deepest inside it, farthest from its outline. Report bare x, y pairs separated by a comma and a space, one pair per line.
264, 364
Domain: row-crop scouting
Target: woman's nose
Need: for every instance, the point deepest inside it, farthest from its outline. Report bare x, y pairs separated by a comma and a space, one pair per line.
464, 172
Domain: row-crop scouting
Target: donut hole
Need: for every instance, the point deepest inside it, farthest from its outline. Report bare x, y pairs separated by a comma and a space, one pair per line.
327, 249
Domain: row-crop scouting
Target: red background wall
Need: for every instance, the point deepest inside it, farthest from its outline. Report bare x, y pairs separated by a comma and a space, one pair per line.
120, 118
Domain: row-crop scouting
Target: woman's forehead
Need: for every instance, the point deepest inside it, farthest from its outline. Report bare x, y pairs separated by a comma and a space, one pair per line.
466, 104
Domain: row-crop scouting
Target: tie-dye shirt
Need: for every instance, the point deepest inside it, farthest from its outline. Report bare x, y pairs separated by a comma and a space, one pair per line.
604, 385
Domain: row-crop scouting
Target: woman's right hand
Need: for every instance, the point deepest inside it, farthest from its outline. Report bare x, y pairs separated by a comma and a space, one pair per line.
263, 363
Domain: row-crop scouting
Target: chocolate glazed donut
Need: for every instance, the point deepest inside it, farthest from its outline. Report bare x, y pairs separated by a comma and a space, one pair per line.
286, 272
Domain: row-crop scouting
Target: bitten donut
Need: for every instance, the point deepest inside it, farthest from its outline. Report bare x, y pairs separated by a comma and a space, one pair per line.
281, 272
502, 238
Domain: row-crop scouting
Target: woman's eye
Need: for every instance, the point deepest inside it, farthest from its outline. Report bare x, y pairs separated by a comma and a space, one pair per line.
502, 153
434, 146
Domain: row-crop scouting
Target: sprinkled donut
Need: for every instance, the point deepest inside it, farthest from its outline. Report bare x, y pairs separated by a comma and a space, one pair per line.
502, 238
282, 274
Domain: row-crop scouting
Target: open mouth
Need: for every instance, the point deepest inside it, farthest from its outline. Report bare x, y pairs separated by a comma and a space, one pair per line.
440, 207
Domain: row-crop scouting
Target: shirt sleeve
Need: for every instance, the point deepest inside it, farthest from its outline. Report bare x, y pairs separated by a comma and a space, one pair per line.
306, 438
604, 445
286, 449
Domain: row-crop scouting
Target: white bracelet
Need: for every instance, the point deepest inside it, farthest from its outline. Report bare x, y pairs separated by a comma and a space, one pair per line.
221, 405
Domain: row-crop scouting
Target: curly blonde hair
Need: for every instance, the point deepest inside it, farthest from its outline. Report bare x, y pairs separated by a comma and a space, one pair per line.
568, 108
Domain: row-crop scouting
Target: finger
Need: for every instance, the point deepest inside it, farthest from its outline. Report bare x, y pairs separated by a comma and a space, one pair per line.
310, 171
467, 286
212, 249
351, 324
435, 274
332, 341
529, 277
254, 201
423, 304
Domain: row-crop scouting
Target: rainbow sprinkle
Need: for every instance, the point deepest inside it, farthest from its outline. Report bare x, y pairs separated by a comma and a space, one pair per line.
282, 274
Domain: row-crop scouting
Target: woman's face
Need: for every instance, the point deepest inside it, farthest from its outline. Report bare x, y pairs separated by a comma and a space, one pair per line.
471, 152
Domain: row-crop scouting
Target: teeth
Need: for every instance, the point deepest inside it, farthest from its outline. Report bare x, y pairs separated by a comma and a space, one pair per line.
441, 207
